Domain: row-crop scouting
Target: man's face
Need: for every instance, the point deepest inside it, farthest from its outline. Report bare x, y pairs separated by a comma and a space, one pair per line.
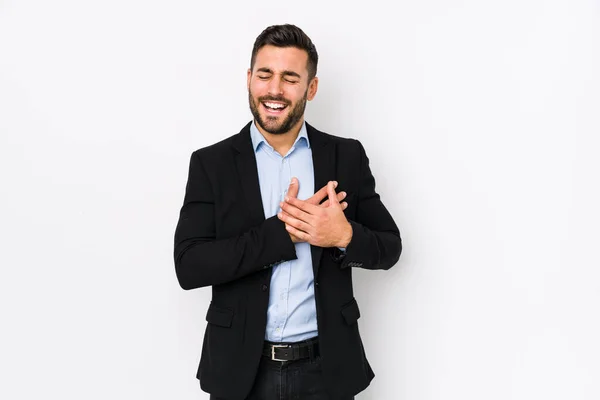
278, 88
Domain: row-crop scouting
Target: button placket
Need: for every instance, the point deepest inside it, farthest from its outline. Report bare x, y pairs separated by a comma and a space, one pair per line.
284, 178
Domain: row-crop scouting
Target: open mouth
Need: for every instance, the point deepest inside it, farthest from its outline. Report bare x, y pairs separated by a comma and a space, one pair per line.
274, 107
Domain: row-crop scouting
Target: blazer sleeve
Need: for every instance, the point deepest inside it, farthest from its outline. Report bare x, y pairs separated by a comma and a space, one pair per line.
376, 242
201, 259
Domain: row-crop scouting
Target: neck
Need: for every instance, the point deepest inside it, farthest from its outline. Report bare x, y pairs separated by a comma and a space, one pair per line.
282, 142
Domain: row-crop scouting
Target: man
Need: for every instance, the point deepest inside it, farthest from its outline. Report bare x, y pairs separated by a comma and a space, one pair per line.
282, 323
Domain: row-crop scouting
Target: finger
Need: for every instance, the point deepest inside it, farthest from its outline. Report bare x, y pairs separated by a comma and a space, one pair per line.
331, 192
295, 222
294, 238
284, 213
319, 196
293, 188
344, 205
340, 197
303, 205
303, 236
295, 212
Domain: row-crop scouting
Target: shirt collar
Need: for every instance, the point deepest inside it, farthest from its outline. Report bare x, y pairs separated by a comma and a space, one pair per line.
258, 138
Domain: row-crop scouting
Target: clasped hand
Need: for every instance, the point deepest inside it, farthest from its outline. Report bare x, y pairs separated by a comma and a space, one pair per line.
323, 225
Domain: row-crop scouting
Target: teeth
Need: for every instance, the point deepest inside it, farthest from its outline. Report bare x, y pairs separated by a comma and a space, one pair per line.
275, 105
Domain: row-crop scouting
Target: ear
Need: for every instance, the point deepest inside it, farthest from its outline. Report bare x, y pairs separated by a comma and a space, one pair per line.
312, 88
248, 78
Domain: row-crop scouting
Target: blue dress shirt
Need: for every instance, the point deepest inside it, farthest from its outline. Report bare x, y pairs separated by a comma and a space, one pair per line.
292, 314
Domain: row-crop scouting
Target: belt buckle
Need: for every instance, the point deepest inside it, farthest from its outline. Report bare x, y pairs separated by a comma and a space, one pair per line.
279, 346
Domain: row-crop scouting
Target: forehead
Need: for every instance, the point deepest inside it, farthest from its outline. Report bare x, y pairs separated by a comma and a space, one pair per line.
282, 59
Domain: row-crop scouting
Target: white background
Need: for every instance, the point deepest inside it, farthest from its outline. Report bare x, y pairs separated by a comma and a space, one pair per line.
481, 122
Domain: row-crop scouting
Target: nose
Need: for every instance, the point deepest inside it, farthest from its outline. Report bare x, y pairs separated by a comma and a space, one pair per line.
275, 86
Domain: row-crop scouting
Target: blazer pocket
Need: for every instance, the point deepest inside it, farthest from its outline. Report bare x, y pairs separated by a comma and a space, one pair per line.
219, 316
350, 312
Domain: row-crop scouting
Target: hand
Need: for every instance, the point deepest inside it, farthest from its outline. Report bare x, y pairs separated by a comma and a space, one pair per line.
315, 199
323, 226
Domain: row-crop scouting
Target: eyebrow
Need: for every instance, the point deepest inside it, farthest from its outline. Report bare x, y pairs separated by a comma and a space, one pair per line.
285, 73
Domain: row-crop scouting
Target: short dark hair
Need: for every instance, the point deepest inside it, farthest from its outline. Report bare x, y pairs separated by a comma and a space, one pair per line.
287, 35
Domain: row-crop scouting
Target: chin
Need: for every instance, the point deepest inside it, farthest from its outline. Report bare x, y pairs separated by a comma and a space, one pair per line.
273, 125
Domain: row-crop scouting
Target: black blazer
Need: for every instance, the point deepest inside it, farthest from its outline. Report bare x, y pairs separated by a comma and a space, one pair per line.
223, 239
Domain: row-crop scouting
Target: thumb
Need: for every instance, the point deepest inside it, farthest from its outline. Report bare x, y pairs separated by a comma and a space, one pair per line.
293, 188
333, 200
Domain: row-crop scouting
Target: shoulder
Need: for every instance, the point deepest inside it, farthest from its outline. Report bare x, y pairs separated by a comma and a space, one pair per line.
343, 144
237, 142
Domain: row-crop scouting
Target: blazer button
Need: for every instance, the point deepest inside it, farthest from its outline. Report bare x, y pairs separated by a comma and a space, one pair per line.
264, 288
317, 284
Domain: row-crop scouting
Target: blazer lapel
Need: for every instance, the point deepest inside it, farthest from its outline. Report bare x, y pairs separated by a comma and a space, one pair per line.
245, 162
324, 161
323, 154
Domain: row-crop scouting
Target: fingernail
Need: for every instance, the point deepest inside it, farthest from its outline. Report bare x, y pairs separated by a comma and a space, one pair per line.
287, 198
334, 184
343, 194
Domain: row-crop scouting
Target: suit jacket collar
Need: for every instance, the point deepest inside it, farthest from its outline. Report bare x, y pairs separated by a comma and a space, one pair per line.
242, 142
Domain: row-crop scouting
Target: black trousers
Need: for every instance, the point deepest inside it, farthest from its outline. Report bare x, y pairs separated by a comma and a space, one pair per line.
290, 380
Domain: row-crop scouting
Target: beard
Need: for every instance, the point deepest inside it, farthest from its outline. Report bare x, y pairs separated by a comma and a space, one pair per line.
271, 124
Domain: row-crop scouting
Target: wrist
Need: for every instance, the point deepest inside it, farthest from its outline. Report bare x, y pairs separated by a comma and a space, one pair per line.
346, 237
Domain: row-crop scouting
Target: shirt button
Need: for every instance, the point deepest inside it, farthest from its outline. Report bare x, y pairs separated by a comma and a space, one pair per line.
264, 288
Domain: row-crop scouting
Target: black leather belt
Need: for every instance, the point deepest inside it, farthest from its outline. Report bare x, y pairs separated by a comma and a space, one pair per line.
291, 351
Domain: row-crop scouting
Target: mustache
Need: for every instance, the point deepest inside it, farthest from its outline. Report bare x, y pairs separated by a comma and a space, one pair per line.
274, 98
